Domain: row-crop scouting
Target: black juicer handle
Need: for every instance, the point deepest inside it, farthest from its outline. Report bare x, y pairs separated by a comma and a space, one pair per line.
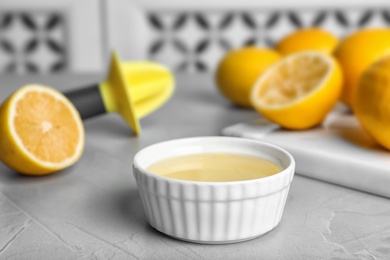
87, 100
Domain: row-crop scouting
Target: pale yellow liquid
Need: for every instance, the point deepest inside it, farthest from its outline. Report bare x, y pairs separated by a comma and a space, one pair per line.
215, 167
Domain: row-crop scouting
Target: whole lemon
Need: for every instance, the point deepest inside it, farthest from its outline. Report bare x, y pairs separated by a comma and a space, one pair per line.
372, 101
308, 39
356, 53
239, 70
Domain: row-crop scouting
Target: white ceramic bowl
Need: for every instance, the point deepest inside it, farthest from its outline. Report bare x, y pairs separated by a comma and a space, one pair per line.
213, 212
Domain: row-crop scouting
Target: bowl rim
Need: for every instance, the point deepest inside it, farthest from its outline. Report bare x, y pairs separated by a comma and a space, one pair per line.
287, 170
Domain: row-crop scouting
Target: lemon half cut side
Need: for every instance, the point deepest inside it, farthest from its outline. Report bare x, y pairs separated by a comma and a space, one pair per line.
40, 131
298, 91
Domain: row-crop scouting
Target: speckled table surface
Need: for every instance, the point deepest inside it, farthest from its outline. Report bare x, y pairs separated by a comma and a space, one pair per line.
93, 211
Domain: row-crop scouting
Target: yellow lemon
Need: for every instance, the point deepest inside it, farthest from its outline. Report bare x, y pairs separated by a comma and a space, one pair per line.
298, 91
309, 39
356, 53
40, 131
372, 101
239, 69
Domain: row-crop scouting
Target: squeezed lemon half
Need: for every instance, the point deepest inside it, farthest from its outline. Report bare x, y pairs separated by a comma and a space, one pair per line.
298, 91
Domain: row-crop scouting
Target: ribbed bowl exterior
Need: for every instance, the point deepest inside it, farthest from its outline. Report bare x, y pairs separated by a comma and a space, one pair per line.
206, 212
213, 214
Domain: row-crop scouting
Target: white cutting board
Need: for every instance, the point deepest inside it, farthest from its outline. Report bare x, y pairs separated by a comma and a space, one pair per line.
339, 151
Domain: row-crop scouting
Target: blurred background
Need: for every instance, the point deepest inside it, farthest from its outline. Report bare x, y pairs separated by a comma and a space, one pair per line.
42, 38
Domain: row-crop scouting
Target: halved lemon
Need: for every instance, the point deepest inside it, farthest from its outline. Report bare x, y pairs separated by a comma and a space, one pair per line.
298, 91
40, 131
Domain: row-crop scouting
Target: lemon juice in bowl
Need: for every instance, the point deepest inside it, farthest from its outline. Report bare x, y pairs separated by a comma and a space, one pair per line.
215, 167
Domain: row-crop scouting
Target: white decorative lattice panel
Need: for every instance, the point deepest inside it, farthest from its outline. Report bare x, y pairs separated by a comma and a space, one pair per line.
194, 42
33, 42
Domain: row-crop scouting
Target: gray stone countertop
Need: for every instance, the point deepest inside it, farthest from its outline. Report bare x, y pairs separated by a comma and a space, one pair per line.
92, 210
